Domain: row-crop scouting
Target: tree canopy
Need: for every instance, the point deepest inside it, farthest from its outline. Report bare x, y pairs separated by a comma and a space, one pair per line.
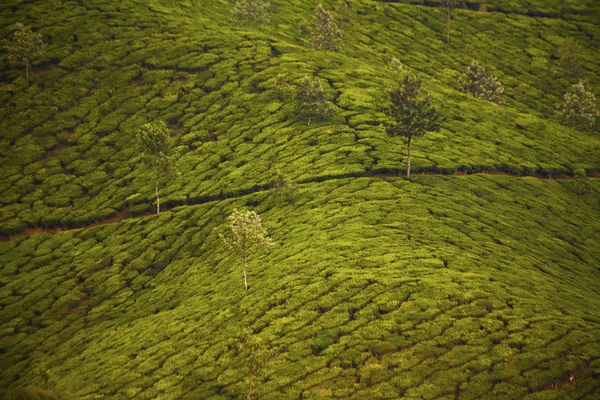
245, 235
412, 112
24, 45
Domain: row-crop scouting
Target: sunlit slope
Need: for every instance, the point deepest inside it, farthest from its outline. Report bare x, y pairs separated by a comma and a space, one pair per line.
481, 287
66, 139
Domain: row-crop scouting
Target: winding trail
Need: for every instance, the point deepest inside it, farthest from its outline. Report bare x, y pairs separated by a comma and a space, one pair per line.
125, 214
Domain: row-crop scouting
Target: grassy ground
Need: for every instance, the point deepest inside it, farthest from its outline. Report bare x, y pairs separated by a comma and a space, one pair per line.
474, 286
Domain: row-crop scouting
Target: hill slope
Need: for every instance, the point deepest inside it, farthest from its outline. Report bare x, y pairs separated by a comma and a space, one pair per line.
477, 286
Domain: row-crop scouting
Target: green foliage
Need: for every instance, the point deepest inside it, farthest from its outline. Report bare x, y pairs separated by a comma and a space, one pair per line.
245, 235
411, 112
380, 288
448, 7
418, 285
282, 185
478, 81
581, 182
156, 146
24, 45
253, 12
577, 108
311, 98
570, 60
252, 356
396, 65
326, 35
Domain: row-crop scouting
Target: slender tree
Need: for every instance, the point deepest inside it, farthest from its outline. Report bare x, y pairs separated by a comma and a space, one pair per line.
326, 34
245, 235
282, 185
411, 112
577, 108
482, 84
311, 98
581, 183
253, 12
448, 7
156, 147
24, 45
570, 61
253, 354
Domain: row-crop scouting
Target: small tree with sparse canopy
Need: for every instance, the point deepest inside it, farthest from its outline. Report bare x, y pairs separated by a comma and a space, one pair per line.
156, 147
411, 112
570, 60
578, 108
253, 354
326, 34
311, 98
24, 45
245, 235
448, 7
253, 12
282, 185
482, 84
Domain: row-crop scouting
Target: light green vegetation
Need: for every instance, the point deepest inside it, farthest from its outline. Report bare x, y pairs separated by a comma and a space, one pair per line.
112, 67
480, 287
484, 285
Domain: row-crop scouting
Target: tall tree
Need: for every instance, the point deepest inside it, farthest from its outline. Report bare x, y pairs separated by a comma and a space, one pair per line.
156, 148
326, 34
448, 7
253, 355
311, 98
282, 185
245, 235
24, 45
577, 108
411, 112
570, 61
482, 84
253, 12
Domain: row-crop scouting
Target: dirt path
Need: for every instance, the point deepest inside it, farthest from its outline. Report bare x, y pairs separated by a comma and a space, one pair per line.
166, 207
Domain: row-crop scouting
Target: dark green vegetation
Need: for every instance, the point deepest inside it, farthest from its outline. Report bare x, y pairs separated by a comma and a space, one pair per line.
482, 286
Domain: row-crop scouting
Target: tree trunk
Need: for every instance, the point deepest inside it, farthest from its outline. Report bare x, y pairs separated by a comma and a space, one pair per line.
157, 198
245, 278
408, 159
308, 121
27, 69
249, 392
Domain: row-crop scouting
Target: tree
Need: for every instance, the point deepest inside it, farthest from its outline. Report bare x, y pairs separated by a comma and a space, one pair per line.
253, 354
24, 46
578, 108
482, 84
326, 34
282, 185
581, 183
570, 60
245, 235
396, 65
254, 12
311, 98
156, 148
448, 7
412, 113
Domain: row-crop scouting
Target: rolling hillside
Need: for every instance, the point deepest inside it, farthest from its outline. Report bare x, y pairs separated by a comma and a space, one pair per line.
476, 279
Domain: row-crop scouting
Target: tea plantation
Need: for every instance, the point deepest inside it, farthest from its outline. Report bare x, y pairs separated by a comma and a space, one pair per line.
478, 278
